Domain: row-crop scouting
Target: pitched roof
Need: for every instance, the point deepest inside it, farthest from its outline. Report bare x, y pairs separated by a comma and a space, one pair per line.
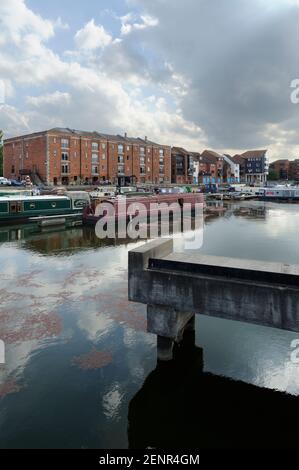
179, 151
283, 160
210, 156
111, 137
238, 159
254, 154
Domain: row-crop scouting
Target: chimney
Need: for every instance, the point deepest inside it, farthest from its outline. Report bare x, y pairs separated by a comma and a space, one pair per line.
145, 138
126, 135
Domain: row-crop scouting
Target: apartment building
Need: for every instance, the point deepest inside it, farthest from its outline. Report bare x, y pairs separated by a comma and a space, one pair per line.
254, 166
69, 156
182, 166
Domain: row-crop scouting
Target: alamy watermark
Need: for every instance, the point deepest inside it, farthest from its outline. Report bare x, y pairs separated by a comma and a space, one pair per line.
295, 93
295, 353
137, 220
2, 352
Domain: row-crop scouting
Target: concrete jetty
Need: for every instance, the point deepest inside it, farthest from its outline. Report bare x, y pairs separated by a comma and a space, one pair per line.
176, 286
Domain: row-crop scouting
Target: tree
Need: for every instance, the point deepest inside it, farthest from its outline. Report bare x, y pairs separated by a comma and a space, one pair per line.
1, 153
273, 175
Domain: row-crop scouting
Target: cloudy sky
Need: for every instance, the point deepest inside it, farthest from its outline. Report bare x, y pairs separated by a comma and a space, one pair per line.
194, 73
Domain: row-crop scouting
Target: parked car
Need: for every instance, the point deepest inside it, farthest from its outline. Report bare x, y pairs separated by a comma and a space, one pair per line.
16, 183
4, 181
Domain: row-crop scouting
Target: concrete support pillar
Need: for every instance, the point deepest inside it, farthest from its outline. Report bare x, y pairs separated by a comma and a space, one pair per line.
169, 325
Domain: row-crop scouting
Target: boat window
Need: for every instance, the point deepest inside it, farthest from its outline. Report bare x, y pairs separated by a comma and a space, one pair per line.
15, 207
53, 204
32, 205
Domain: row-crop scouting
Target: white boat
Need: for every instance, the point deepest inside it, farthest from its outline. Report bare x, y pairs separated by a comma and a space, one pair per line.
279, 193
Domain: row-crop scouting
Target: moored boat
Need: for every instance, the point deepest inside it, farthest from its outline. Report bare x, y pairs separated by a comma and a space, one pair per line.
23, 208
278, 193
143, 206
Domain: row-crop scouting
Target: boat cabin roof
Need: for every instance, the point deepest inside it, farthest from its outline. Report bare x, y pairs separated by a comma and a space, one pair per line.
31, 198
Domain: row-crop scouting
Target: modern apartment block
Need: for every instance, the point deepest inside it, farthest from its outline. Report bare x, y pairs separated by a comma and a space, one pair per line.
68, 156
254, 166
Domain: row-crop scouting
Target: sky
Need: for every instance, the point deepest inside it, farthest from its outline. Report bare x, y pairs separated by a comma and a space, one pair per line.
192, 73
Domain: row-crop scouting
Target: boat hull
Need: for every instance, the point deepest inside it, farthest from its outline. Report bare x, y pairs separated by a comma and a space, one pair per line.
146, 207
21, 210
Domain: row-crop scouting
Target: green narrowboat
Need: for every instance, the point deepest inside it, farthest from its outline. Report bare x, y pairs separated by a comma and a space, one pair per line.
23, 208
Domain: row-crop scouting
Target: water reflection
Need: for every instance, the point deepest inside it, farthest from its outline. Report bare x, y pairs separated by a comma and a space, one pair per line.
181, 406
78, 351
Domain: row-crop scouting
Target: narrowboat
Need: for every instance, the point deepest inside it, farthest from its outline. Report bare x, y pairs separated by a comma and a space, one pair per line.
25, 208
144, 206
286, 193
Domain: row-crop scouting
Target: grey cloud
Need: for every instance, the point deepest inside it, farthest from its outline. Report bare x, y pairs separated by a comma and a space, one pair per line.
239, 56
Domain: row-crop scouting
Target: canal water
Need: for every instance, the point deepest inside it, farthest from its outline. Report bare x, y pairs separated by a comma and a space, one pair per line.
80, 367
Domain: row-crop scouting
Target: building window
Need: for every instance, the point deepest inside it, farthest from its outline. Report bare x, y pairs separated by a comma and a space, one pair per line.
12, 169
103, 157
128, 149
55, 153
128, 157
65, 143
148, 150
54, 140
94, 158
120, 149
120, 159
103, 146
94, 170
65, 169
64, 156
142, 151
95, 147
161, 152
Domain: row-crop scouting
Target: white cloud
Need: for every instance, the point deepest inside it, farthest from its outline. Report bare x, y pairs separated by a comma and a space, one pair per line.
130, 24
88, 94
50, 99
92, 37
17, 20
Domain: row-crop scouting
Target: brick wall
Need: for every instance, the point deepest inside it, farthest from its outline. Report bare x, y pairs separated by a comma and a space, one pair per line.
80, 160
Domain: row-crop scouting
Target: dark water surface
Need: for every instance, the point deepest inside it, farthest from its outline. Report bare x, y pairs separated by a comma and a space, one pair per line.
77, 352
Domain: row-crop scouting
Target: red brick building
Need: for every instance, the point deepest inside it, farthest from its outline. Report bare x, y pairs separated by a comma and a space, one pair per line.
210, 167
182, 168
67, 156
